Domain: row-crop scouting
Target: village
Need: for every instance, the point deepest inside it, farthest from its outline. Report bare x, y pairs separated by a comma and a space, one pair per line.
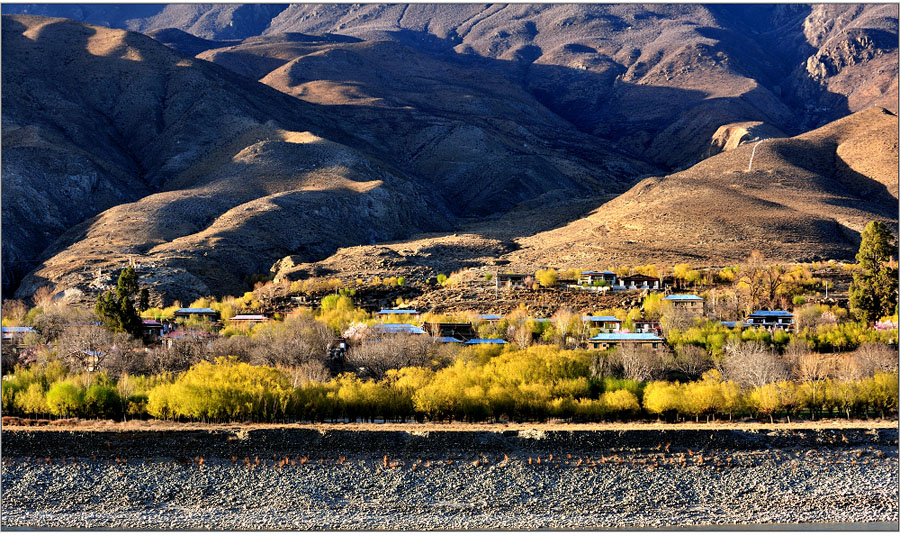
593, 331
754, 340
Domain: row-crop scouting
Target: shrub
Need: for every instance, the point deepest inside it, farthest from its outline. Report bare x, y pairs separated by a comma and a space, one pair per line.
64, 399
547, 277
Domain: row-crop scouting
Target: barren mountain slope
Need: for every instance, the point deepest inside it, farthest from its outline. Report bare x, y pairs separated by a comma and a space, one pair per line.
657, 79
665, 75
196, 166
456, 124
805, 197
95, 117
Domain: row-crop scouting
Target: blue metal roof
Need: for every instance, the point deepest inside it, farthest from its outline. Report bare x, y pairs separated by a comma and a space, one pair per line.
733, 324
601, 318
448, 339
771, 313
614, 337
399, 328
489, 317
19, 330
486, 341
397, 311
195, 311
543, 319
682, 297
598, 272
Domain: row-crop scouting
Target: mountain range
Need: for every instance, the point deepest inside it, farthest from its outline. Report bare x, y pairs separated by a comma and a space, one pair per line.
206, 142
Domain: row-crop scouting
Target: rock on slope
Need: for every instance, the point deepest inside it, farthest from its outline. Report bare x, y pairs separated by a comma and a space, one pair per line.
805, 196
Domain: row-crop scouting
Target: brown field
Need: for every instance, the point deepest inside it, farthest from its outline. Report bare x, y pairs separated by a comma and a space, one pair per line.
14, 424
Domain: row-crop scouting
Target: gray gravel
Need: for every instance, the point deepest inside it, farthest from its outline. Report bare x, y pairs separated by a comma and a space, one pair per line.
460, 489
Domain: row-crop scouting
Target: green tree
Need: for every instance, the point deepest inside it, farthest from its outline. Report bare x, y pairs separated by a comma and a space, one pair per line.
873, 293
118, 311
144, 302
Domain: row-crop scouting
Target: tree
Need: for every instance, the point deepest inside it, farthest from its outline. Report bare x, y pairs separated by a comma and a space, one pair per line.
762, 281
547, 277
144, 302
117, 311
89, 345
873, 293
752, 364
64, 398
692, 360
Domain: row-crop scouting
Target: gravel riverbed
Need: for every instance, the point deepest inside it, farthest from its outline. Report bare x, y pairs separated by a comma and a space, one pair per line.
523, 482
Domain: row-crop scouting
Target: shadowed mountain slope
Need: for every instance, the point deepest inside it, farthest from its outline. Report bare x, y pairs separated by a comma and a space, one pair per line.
116, 146
182, 155
658, 79
457, 124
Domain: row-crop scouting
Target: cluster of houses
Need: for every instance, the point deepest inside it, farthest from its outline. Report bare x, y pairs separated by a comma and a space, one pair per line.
603, 332
587, 280
598, 332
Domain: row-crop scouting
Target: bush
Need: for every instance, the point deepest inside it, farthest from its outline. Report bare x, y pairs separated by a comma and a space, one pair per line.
547, 277
64, 399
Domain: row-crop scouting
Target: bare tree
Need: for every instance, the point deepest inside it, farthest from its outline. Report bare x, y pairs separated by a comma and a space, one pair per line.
297, 340
565, 321
638, 363
238, 346
14, 310
127, 356
313, 370
675, 318
523, 336
752, 364
692, 361
87, 345
761, 279
393, 351
43, 297
177, 358
869, 358
794, 353
814, 368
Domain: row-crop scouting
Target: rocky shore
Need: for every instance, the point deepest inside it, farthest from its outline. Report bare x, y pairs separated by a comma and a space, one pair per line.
305, 479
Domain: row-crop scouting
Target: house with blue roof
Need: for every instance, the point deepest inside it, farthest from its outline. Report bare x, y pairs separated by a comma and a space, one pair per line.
690, 303
485, 341
16, 335
488, 317
593, 278
398, 328
204, 313
602, 323
605, 341
393, 311
771, 320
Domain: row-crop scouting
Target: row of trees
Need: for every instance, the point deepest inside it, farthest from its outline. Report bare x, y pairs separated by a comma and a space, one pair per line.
489, 383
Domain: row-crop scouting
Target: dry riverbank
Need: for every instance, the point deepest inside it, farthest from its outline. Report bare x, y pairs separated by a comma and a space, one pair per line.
348, 478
